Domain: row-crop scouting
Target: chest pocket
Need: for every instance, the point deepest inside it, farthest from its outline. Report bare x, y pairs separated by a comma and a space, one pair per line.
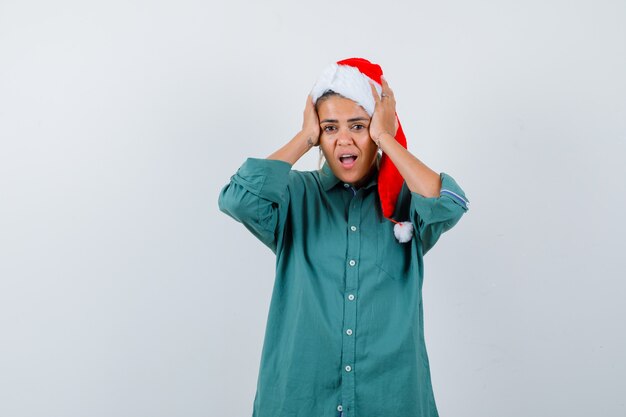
392, 257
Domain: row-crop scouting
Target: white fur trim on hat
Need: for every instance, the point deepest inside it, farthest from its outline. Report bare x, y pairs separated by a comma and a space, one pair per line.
349, 82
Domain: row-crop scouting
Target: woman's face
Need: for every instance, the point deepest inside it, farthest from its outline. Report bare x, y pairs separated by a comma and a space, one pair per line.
345, 139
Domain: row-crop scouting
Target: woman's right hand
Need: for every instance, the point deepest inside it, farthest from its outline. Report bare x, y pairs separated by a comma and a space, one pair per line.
311, 123
307, 138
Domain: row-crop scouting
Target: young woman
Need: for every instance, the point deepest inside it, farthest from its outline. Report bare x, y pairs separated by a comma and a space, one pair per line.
345, 332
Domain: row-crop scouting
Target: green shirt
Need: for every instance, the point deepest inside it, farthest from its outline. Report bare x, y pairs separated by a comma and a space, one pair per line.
345, 325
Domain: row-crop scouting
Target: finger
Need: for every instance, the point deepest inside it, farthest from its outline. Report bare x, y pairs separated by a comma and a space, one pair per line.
385, 85
386, 89
375, 93
310, 107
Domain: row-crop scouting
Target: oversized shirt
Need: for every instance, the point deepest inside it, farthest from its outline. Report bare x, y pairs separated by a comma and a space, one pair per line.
344, 334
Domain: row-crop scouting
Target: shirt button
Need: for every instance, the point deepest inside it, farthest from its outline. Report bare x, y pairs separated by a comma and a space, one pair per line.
353, 228
349, 332
351, 297
339, 408
346, 185
348, 368
352, 262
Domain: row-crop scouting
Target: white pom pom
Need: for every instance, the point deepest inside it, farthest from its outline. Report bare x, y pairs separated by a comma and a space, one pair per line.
403, 231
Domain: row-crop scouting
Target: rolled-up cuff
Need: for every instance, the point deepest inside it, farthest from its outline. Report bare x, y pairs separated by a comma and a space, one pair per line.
432, 209
266, 178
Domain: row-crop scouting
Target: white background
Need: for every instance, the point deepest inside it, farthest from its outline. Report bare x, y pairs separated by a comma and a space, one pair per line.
125, 292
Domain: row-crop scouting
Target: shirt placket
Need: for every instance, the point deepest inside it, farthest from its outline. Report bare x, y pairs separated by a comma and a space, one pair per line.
349, 331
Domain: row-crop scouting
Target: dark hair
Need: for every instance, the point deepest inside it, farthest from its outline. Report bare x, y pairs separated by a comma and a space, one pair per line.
327, 94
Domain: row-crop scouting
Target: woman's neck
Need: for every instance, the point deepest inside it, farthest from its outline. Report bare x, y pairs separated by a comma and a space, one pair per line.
366, 178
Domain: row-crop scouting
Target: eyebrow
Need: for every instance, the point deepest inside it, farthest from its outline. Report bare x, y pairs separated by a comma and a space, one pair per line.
354, 119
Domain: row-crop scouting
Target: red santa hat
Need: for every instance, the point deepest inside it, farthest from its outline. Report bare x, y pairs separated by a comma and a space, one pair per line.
351, 78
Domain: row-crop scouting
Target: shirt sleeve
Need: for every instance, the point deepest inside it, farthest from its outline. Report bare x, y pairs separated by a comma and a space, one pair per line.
256, 196
433, 216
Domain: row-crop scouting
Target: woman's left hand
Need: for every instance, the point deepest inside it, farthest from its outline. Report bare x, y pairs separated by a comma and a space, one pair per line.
384, 119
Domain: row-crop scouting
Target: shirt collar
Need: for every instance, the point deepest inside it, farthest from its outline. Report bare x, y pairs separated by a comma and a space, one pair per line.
329, 180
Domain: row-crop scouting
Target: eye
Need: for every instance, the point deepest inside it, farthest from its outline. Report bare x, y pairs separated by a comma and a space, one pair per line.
359, 127
329, 128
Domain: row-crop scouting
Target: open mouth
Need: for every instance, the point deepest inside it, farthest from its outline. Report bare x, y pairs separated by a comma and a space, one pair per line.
347, 160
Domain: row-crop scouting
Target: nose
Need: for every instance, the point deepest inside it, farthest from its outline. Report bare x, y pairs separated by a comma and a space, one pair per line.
344, 137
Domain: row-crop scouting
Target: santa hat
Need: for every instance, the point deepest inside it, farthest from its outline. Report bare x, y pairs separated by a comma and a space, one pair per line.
351, 78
